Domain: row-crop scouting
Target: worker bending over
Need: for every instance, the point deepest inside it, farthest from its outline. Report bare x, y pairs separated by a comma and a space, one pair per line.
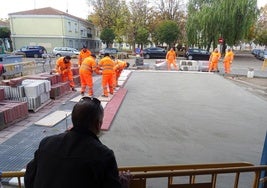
63, 67
118, 68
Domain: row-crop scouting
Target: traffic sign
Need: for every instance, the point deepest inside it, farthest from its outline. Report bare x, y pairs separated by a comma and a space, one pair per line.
220, 40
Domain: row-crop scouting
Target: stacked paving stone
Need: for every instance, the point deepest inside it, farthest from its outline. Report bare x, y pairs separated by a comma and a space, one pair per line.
36, 90
11, 111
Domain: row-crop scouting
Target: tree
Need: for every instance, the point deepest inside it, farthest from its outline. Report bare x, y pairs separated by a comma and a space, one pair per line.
261, 27
4, 32
142, 36
112, 14
139, 20
228, 19
107, 36
105, 12
167, 32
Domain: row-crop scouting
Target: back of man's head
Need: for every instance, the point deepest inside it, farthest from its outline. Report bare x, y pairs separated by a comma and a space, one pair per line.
88, 114
106, 54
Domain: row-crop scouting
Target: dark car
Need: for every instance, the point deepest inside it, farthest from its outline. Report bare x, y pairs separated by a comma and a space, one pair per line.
111, 51
255, 51
154, 52
197, 54
262, 55
32, 51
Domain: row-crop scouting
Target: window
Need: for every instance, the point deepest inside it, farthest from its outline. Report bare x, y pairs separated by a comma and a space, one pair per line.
76, 27
69, 26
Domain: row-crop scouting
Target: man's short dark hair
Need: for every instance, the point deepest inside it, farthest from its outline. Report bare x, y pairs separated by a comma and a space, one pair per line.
106, 54
93, 55
87, 113
67, 57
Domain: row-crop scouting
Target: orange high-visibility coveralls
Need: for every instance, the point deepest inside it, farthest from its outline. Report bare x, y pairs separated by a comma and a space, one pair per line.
228, 59
86, 70
64, 69
107, 66
214, 60
84, 53
118, 68
171, 59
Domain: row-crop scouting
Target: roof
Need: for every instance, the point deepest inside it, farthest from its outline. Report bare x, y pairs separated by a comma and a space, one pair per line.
46, 11
4, 23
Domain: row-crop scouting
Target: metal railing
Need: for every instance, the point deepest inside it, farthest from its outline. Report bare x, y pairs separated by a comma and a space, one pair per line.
141, 174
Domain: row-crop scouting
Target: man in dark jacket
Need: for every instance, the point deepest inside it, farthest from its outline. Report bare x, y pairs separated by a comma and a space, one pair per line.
75, 158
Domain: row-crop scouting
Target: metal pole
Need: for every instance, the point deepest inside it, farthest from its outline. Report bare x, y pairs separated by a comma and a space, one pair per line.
264, 162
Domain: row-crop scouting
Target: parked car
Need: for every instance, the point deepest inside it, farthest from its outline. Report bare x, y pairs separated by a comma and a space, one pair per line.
111, 51
255, 51
31, 51
262, 55
154, 52
64, 51
197, 54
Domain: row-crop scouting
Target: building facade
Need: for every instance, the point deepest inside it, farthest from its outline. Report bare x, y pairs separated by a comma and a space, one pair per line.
51, 28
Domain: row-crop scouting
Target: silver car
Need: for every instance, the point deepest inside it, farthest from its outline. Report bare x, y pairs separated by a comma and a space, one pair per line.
64, 51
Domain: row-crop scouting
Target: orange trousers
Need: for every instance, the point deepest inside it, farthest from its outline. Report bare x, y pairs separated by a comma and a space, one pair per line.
68, 76
171, 62
213, 66
87, 80
227, 66
108, 82
117, 74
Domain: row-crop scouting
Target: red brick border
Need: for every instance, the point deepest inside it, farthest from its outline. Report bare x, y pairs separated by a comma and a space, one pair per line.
112, 108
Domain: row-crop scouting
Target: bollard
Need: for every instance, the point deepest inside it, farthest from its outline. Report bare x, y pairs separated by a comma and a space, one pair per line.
250, 73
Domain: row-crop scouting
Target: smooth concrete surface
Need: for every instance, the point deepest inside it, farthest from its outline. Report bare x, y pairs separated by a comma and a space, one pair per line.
186, 117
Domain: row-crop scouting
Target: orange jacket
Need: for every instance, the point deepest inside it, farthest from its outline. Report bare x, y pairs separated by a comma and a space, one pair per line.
229, 56
107, 65
171, 55
83, 55
62, 67
120, 65
88, 65
215, 56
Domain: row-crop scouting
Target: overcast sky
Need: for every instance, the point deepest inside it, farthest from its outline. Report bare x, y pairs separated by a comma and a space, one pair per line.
77, 8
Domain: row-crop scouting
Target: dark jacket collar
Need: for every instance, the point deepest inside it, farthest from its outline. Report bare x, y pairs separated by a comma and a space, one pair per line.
85, 132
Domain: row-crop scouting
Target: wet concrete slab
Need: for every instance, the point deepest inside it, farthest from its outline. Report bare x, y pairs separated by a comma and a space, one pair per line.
186, 117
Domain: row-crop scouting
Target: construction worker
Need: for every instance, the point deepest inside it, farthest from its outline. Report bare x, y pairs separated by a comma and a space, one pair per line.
87, 68
84, 53
118, 68
171, 59
228, 59
214, 60
106, 64
63, 67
